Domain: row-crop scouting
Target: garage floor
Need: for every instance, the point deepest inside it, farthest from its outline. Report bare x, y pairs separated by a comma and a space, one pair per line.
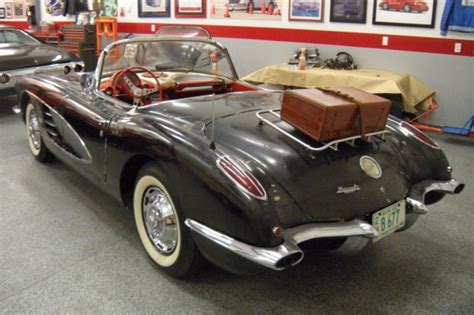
67, 247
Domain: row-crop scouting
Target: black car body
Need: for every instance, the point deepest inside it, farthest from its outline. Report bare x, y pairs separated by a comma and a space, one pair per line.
22, 55
209, 169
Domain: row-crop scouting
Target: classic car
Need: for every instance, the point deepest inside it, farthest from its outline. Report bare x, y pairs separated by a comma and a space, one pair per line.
405, 5
21, 54
208, 168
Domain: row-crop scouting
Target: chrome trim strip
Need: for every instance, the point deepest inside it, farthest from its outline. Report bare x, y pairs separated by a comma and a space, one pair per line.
311, 231
271, 257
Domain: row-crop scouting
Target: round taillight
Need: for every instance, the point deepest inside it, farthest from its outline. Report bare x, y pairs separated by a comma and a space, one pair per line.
418, 134
240, 175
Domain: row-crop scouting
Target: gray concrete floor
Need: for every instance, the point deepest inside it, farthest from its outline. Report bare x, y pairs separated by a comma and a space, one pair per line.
67, 247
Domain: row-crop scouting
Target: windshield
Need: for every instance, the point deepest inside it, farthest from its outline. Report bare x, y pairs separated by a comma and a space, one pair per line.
16, 36
169, 56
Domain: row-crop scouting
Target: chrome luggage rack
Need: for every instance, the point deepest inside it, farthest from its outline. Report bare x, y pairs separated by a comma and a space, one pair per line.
324, 145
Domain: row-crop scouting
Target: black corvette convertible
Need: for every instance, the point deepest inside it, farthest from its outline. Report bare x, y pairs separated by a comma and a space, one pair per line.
210, 170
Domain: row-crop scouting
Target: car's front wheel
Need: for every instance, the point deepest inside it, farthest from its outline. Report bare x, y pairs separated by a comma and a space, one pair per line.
159, 222
407, 8
35, 142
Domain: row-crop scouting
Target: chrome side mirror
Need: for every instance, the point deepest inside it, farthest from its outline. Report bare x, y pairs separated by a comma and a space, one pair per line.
87, 81
4, 78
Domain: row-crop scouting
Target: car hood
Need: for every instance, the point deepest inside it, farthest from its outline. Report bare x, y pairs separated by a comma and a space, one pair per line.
14, 56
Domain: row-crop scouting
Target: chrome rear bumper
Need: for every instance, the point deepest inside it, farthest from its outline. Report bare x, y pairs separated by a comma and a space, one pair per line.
288, 253
356, 231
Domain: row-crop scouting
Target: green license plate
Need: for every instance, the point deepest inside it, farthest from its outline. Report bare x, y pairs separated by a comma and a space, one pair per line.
388, 220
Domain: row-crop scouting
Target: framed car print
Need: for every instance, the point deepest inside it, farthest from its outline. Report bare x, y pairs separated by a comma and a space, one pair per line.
348, 11
2, 13
190, 8
154, 8
9, 10
306, 10
19, 9
417, 13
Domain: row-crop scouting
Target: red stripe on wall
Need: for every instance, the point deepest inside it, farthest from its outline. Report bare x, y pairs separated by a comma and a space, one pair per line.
365, 40
396, 42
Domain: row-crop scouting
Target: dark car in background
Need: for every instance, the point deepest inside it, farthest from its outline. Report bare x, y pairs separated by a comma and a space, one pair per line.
22, 54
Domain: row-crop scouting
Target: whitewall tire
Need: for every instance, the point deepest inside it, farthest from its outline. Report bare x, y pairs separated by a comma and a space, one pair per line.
35, 142
160, 225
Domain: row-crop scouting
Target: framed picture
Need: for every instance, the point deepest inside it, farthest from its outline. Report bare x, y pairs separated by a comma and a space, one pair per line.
2, 13
190, 8
418, 13
19, 9
268, 10
154, 8
9, 10
306, 10
348, 11
107, 8
54, 8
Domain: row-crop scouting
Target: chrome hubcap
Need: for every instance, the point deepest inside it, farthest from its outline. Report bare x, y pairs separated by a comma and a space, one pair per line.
33, 130
160, 220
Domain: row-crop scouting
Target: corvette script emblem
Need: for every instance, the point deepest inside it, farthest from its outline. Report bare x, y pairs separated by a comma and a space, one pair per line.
347, 190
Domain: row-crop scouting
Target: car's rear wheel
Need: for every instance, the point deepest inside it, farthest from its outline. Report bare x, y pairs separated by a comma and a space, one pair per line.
385, 6
407, 8
160, 224
35, 142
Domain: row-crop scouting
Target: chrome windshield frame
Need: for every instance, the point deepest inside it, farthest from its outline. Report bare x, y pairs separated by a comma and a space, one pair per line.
110, 47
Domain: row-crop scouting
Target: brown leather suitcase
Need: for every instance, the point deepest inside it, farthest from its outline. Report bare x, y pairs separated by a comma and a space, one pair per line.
336, 113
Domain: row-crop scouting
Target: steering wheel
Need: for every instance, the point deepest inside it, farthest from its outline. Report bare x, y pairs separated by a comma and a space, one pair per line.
132, 86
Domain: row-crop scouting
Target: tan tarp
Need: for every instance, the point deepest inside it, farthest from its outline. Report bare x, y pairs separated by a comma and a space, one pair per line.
414, 92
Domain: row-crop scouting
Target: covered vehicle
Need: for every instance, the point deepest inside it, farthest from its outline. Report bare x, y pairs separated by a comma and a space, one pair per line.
165, 125
21, 54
